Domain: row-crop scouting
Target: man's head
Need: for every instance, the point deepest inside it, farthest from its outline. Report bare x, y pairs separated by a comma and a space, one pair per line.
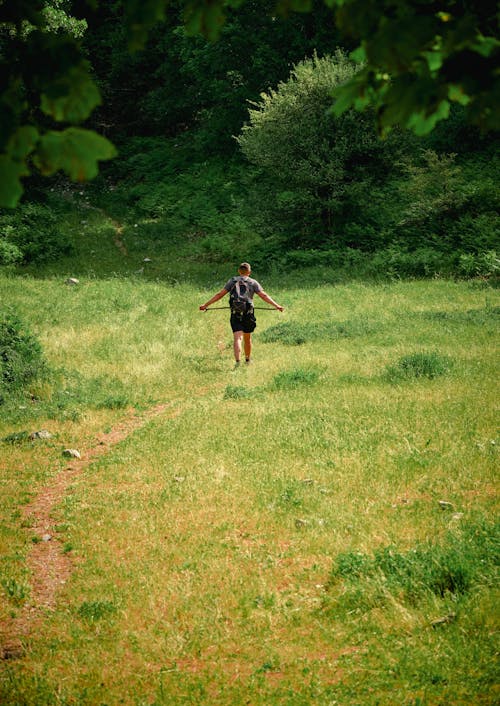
244, 269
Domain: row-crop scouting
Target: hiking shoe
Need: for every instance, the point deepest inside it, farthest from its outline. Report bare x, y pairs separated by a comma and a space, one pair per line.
248, 361
236, 364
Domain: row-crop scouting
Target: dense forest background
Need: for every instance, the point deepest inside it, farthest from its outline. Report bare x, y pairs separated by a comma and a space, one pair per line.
230, 150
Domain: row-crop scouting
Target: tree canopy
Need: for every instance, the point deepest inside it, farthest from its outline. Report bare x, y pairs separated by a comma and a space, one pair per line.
418, 58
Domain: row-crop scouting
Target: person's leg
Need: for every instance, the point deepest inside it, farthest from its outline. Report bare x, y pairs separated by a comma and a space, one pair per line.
237, 338
247, 343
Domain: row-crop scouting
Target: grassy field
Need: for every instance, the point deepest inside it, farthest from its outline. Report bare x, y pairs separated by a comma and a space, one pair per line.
275, 534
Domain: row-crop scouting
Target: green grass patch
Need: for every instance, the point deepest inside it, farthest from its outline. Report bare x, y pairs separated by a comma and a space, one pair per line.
292, 379
295, 333
237, 392
468, 558
418, 365
479, 317
92, 611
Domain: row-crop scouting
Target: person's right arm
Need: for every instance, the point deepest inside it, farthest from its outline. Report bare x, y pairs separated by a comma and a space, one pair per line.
214, 299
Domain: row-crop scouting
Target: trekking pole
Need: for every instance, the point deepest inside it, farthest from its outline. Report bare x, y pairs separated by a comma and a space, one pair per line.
262, 308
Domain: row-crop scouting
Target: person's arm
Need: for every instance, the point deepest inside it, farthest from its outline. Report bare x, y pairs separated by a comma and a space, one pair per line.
214, 299
268, 299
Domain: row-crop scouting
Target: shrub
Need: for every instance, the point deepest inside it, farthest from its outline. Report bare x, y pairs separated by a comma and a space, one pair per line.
396, 261
21, 357
418, 365
9, 253
485, 264
33, 233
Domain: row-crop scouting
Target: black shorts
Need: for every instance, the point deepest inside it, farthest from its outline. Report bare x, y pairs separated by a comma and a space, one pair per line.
243, 322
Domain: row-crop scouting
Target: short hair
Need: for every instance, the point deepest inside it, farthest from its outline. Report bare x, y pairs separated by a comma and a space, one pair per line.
245, 266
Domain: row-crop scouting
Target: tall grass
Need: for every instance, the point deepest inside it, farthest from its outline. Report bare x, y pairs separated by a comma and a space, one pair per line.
276, 537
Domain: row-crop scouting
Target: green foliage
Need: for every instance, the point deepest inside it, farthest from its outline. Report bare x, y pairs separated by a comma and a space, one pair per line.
418, 365
416, 63
419, 61
308, 159
33, 233
397, 261
447, 209
485, 264
21, 357
9, 253
46, 69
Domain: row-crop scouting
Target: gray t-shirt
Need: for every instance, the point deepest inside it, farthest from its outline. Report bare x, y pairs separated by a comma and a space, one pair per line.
253, 286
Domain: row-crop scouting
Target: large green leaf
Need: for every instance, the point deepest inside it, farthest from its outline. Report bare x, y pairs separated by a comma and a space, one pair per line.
22, 142
72, 96
205, 18
75, 151
140, 17
11, 172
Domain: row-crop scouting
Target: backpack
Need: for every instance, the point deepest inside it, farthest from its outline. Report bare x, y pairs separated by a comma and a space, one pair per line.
240, 298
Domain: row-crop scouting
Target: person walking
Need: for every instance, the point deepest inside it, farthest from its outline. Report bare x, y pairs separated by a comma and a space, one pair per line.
241, 289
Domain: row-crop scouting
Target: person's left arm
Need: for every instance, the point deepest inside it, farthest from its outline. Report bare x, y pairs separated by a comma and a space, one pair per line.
269, 300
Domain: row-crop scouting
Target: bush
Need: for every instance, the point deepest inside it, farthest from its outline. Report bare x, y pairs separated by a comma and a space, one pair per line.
32, 233
9, 253
485, 264
307, 159
395, 261
21, 358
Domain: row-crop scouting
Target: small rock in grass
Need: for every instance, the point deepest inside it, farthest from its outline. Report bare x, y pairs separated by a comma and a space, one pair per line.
42, 434
11, 651
72, 281
444, 620
445, 505
46, 537
72, 453
300, 523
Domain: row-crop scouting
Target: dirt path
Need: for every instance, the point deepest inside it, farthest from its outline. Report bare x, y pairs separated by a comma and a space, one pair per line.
49, 566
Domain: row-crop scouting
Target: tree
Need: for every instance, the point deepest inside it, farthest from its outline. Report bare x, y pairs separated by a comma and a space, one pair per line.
419, 57
308, 157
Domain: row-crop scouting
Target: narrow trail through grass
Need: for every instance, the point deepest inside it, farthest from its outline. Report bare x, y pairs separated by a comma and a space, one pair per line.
49, 566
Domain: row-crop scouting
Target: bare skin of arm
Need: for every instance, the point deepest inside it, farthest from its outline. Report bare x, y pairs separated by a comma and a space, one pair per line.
215, 298
268, 299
